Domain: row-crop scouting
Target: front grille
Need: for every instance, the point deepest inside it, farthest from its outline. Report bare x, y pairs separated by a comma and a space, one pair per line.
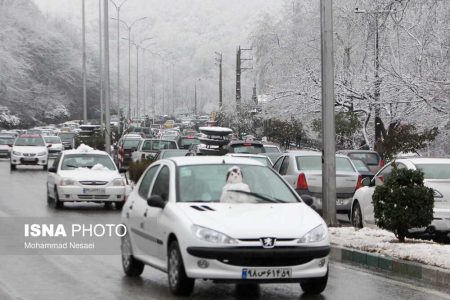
29, 154
93, 197
258, 240
93, 182
266, 262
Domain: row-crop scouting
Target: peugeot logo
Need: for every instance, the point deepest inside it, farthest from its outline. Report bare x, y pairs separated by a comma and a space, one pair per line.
268, 242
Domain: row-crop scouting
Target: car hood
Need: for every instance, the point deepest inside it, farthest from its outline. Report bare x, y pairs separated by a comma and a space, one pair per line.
29, 149
249, 221
87, 175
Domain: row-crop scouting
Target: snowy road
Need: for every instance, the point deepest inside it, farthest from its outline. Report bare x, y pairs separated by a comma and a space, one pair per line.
22, 194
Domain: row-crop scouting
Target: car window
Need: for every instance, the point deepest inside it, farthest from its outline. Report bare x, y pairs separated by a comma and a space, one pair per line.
56, 162
100, 161
435, 171
147, 181
161, 186
29, 141
314, 163
360, 165
371, 159
270, 149
277, 164
284, 166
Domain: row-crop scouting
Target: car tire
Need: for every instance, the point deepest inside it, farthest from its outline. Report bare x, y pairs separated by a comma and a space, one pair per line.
49, 199
179, 283
356, 217
45, 167
57, 204
108, 205
131, 266
13, 167
119, 205
314, 286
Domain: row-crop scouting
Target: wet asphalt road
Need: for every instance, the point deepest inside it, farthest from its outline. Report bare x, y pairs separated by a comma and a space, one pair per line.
22, 194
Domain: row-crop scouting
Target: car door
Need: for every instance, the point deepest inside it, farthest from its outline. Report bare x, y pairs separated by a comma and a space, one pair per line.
160, 187
135, 209
286, 173
53, 178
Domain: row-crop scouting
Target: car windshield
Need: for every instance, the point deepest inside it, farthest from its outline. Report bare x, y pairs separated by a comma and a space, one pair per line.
314, 163
435, 171
222, 183
176, 153
158, 145
52, 139
189, 141
270, 149
371, 159
29, 141
128, 144
360, 165
74, 161
6, 141
248, 149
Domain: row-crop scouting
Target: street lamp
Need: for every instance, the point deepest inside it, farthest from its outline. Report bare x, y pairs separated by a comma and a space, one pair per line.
129, 28
118, 51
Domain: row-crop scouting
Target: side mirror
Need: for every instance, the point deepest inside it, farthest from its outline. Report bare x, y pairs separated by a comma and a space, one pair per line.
156, 201
123, 170
52, 170
366, 181
49, 145
308, 200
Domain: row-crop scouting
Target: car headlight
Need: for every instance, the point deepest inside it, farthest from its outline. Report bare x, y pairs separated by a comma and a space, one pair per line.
117, 182
17, 153
67, 181
212, 236
41, 153
316, 234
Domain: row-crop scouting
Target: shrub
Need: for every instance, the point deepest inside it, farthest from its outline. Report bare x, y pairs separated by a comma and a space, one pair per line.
403, 202
135, 170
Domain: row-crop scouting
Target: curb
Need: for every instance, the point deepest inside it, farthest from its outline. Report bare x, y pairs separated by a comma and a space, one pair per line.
429, 275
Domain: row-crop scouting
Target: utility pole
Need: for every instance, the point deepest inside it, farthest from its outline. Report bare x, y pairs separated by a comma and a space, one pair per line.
100, 58
239, 70
107, 93
84, 64
195, 99
219, 59
328, 125
137, 82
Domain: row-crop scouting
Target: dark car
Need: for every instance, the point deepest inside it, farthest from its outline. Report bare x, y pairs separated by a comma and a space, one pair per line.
68, 139
185, 142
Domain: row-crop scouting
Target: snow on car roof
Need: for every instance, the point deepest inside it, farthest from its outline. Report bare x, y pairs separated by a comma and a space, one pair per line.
85, 149
425, 160
216, 129
96, 167
205, 160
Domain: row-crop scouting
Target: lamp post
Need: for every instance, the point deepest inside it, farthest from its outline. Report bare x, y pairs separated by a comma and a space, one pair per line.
84, 62
129, 28
118, 51
101, 58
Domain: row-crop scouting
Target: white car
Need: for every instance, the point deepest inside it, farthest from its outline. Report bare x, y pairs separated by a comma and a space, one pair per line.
54, 145
436, 176
225, 219
29, 149
85, 174
6, 143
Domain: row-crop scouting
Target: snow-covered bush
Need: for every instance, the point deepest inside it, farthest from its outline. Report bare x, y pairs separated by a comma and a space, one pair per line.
8, 121
403, 202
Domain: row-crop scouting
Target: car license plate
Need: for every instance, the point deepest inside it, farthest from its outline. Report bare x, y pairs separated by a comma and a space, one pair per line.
93, 191
266, 273
29, 159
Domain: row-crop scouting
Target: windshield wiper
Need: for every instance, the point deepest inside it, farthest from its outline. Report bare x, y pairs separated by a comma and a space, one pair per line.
71, 166
260, 196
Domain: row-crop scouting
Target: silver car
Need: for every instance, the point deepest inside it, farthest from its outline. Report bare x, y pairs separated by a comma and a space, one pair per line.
303, 171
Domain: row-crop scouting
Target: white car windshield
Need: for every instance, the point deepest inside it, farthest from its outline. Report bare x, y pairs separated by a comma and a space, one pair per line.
29, 141
218, 183
74, 161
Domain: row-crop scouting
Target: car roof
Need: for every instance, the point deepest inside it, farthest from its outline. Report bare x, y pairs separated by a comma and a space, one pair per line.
311, 153
206, 160
240, 142
30, 135
245, 155
357, 151
425, 160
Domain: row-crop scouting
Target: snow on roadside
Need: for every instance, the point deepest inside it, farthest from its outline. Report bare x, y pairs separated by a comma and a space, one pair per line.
385, 243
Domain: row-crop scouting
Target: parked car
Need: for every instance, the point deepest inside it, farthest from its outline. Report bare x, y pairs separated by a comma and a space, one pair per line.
272, 151
6, 142
226, 219
261, 158
85, 175
124, 149
151, 147
184, 142
68, 139
436, 176
248, 147
303, 171
362, 168
29, 149
144, 132
54, 145
371, 158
